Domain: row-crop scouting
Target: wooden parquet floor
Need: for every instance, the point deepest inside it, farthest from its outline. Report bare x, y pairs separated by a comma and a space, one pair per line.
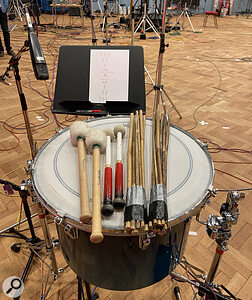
208, 75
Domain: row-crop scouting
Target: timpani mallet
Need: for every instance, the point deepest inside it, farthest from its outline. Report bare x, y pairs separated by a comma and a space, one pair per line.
78, 132
96, 143
119, 203
107, 208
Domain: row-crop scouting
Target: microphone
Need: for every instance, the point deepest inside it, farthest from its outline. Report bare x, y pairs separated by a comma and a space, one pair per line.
37, 56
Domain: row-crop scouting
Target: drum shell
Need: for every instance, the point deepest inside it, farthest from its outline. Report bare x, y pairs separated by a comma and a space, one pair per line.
118, 263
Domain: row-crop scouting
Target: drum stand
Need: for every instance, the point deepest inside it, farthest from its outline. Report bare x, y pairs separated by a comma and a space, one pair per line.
220, 229
183, 13
90, 296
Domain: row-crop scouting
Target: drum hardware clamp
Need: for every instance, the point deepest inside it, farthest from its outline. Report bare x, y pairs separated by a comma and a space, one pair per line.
219, 228
69, 230
28, 169
211, 193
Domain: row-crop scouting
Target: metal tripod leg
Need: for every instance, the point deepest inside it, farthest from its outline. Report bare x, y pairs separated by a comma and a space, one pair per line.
47, 237
184, 13
173, 105
161, 93
188, 17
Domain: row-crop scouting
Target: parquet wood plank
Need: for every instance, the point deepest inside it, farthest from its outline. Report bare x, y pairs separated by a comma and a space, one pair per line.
191, 68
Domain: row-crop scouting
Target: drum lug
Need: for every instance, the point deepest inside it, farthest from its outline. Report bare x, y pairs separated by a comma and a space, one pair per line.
145, 240
212, 192
28, 169
59, 218
71, 231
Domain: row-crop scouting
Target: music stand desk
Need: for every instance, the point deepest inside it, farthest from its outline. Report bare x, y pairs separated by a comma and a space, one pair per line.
54, 12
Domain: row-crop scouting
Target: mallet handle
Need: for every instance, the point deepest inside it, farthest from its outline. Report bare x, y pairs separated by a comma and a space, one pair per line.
119, 202
119, 179
108, 185
85, 215
96, 235
108, 174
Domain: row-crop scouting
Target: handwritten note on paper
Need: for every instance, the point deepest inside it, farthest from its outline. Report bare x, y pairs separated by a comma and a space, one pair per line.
109, 75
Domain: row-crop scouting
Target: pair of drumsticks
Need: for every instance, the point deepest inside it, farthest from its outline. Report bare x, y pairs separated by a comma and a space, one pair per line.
95, 141
118, 203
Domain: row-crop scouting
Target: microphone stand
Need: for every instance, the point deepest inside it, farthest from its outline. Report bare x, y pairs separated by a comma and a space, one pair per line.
13, 65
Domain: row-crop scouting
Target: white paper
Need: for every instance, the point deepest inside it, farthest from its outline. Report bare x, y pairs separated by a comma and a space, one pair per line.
109, 75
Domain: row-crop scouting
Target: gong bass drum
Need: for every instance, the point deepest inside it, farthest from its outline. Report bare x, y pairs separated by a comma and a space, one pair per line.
119, 262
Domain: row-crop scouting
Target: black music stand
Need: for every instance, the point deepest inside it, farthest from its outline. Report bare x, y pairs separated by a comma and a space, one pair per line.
72, 90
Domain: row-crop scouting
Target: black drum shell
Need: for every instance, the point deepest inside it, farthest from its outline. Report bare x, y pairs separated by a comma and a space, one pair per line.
118, 263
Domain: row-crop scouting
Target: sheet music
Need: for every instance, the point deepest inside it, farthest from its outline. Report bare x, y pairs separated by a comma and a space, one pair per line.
109, 75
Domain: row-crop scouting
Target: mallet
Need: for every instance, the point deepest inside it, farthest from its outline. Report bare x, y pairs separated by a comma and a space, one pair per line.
119, 203
107, 208
78, 132
96, 143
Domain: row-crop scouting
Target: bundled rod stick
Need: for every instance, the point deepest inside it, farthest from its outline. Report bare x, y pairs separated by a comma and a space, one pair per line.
137, 149
129, 153
159, 167
165, 155
136, 207
142, 133
154, 158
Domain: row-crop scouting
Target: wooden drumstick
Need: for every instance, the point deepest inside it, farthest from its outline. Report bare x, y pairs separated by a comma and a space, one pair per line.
96, 143
108, 208
119, 202
78, 132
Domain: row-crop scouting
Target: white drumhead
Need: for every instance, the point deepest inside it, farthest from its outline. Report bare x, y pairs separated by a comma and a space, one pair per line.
56, 182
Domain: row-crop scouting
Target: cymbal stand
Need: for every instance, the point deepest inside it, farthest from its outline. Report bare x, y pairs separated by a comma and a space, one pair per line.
183, 14
219, 228
142, 21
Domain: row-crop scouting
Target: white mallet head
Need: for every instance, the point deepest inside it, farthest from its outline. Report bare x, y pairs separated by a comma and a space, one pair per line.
119, 128
94, 137
78, 129
109, 132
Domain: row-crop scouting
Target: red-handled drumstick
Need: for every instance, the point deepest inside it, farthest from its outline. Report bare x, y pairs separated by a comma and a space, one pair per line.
119, 203
107, 208
78, 132
96, 143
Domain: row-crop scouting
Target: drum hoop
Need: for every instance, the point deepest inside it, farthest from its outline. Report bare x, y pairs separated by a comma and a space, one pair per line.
118, 232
